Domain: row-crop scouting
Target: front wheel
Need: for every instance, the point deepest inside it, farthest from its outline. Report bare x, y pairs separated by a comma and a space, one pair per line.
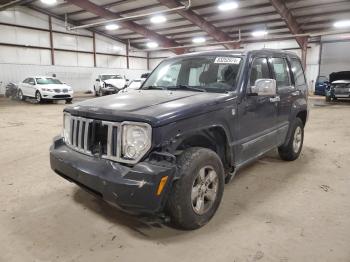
328, 99
38, 97
197, 194
292, 149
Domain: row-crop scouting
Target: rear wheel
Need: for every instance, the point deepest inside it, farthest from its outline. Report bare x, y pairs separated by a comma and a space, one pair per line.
69, 100
197, 194
21, 96
292, 149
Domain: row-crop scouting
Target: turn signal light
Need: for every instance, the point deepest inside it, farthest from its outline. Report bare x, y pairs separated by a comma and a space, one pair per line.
161, 185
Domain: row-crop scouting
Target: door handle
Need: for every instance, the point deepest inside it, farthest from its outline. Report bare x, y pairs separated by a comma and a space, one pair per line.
275, 99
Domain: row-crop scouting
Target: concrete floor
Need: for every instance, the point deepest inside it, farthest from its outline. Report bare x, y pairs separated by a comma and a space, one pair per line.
272, 211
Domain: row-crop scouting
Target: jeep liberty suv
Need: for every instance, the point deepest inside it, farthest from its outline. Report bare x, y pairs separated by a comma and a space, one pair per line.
169, 147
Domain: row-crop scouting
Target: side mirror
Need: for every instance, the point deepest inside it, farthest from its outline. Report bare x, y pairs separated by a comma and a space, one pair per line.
127, 80
264, 87
97, 80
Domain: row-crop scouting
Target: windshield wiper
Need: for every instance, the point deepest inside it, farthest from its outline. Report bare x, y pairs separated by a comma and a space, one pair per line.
185, 87
154, 87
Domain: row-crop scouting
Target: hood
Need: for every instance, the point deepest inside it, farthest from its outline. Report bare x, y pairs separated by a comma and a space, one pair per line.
55, 86
156, 107
344, 75
119, 83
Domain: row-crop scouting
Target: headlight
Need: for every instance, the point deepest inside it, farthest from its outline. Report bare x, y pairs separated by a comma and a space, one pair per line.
136, 140
66, 127
47, 89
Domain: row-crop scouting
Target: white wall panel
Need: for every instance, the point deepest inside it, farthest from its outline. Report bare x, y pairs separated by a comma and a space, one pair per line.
106, 45
64, 41
8, 55
66, 58
85, 60
137, 63
24, 16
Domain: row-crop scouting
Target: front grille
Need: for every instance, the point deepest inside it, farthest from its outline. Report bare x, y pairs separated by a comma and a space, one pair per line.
95, 137
61, 96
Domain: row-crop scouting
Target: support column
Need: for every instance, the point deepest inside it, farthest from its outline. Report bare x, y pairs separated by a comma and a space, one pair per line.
94, 47
127, 56
148, 64
304, 52
51, 42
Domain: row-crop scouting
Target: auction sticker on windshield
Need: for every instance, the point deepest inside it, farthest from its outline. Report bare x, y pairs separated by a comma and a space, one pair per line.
227, 60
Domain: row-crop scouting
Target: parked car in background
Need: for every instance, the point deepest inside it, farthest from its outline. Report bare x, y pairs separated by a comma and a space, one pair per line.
339, 86
11, 90
44, 88
135, 84
109, 84
321, 84
145, 75
199, 117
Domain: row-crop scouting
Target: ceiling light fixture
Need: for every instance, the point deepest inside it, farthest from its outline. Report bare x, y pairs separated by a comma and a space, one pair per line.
342, 23
152, 45
226, 6
259, 33
158, 19
49, 2
112, 27
198, 40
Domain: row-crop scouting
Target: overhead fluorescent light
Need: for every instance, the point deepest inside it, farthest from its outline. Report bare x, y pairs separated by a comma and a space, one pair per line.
158, 19
49, 2
198, 40
112, 27
259, 33
152, 45
342, 23
226, 6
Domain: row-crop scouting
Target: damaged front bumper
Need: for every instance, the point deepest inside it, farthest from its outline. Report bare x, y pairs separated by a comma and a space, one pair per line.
132, 189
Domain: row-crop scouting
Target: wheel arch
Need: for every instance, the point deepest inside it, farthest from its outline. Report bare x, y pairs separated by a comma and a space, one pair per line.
214, 138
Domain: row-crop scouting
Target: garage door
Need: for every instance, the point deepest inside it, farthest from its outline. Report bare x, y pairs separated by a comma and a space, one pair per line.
335, 56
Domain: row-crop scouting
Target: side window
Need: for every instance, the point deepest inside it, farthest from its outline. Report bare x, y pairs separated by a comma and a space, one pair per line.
26, 80
298, 72
281, 70
195, 72
259, 70
31, 81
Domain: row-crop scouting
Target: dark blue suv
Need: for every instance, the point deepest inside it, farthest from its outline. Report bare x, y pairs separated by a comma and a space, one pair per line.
321, 85
169, 147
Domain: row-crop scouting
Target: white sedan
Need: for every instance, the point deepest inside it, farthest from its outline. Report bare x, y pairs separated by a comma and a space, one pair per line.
44, 88
109, 84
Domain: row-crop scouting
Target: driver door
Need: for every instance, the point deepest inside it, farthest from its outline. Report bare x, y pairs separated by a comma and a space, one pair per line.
257, 115
31, 87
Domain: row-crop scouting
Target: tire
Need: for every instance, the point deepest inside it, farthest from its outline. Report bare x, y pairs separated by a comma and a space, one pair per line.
20, 95
185, 206
95, 91
38, 97
328, 99
291, 151
69, 100
100, 92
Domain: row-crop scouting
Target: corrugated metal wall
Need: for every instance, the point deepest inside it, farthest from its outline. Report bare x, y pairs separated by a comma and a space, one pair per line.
74, 67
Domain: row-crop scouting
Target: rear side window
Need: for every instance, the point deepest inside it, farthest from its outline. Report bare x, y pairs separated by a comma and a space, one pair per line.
298, 72
260, 70
280, 68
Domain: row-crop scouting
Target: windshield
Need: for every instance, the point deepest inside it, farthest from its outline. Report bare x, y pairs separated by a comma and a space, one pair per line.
105, 77
48, 81
202, 73
322, 79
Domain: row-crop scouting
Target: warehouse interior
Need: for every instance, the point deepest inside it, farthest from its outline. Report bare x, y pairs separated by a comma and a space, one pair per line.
271, 211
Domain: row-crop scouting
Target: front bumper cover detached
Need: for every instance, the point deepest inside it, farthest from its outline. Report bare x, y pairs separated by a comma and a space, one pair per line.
132, 189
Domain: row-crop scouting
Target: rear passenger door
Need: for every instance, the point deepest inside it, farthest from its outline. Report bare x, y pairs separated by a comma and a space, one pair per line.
285, 89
